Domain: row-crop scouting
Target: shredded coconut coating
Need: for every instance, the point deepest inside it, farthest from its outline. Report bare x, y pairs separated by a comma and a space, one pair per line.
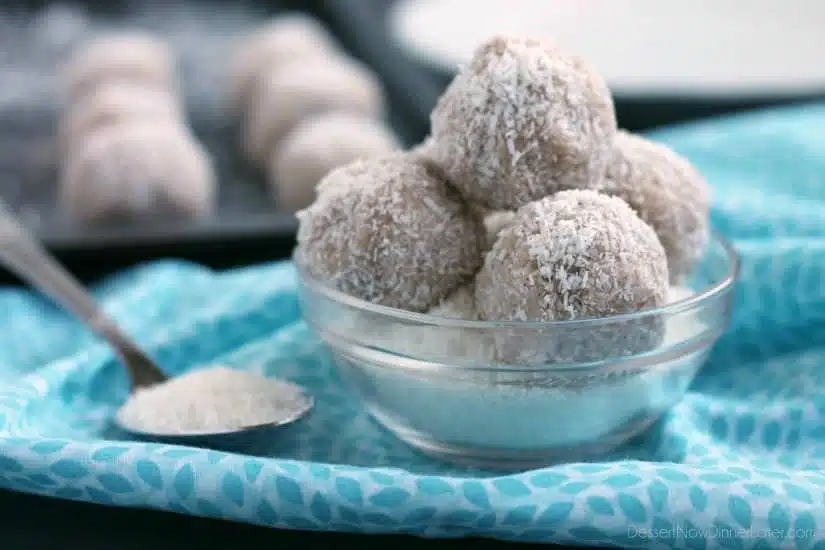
283, 40
359, 174
524, 120
318, 145
573, 255
133, 56
390, 231
137, 169
306, 88
667, 192
211, 400
115, 102
460, 304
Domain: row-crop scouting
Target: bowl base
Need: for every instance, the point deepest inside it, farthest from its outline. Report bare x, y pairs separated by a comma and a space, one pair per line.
511, 460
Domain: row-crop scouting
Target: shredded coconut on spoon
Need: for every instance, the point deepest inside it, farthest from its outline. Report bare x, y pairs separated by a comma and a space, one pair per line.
212, 400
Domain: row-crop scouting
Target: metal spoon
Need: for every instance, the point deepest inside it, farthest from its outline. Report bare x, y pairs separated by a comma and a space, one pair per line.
21, 253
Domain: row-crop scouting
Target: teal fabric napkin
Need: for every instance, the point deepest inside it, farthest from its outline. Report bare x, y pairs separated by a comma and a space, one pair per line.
738, 463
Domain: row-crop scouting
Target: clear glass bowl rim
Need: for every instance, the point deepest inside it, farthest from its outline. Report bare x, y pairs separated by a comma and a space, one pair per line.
696, 300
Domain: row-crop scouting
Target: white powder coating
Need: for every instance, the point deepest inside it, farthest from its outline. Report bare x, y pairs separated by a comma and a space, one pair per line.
307, 87
212, 400
460, 304
572, 255
667, 192
137, 169
133, 56
113, 102
525, 119
318, 145
390, 231
267, 48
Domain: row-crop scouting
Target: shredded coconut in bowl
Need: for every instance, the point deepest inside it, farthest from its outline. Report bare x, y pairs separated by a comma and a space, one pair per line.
511, 410
212, 400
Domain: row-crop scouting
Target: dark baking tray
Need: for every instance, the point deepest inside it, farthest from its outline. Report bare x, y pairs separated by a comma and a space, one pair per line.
247, 226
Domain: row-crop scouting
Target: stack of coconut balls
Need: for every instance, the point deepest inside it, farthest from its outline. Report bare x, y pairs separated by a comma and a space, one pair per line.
525, 204
306, 107
125, 147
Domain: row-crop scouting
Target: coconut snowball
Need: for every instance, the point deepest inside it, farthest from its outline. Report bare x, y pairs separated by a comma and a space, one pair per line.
574, 255
115, 102
137, 169
525, 119
284, 39
667, 192
135, 57
318, 145
390, 231
305, 88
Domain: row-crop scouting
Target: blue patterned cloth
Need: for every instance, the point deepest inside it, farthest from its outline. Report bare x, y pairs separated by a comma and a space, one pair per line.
739, 463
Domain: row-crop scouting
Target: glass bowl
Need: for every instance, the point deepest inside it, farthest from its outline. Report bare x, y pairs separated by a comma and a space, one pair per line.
514, 395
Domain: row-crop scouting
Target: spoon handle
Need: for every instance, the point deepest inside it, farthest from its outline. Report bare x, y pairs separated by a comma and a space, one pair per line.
22, 254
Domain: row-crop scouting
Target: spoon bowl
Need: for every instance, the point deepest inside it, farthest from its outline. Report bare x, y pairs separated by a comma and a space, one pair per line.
262, 438
22, 254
